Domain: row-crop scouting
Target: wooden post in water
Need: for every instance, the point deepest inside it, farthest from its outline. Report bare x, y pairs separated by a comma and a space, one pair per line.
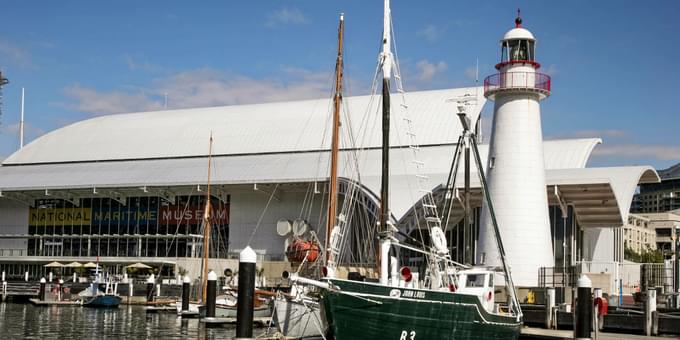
549, 307
186, 290
584, 309
41, 294
149, 288
650, 309
246, 293
211, 295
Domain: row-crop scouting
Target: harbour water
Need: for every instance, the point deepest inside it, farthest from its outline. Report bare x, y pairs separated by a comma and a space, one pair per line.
25, 321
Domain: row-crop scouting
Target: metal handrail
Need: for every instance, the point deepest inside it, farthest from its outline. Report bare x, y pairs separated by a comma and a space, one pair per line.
533, 81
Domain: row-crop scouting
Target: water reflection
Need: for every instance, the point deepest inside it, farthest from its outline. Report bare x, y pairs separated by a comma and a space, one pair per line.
25, 321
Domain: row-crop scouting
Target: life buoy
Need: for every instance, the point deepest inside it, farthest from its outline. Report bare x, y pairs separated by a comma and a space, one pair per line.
299, 249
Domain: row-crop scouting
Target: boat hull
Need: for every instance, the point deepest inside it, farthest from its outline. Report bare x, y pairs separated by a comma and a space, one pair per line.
222, 311
361, 310
298, 319
103, 301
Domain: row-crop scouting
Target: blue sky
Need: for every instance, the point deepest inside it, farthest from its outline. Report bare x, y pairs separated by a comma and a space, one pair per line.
614, 63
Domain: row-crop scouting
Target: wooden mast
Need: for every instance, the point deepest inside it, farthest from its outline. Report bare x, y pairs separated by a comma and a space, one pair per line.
206, 226
335, 143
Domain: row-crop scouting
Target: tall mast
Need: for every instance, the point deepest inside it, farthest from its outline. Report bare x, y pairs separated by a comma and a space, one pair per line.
386, 65
335, 144
206, 224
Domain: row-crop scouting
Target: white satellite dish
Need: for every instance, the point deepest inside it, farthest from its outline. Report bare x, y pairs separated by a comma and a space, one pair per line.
283, 227
300, 227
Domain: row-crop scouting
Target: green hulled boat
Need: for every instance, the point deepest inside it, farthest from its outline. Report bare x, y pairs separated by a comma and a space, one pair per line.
364, 310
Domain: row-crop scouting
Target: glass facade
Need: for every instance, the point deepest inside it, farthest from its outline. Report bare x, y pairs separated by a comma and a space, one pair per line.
136, 227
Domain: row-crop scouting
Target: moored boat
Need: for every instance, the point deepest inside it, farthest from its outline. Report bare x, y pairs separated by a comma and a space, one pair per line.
106, 300
298, 317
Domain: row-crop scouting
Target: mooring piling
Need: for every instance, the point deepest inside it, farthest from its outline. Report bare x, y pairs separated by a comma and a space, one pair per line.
246, 293
584, 309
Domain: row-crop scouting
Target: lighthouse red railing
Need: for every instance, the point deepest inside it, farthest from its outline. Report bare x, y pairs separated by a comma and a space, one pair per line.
511, 81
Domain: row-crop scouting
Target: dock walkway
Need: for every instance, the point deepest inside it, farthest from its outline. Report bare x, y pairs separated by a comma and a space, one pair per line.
552, 334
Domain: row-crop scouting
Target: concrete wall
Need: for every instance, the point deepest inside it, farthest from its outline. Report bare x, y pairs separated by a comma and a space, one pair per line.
13, 220
598, 245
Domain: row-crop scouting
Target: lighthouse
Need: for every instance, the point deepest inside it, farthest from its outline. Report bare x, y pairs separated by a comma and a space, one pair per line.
515, 168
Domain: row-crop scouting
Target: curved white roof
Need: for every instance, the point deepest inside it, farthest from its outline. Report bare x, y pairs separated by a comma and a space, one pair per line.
568, 153
244, 129
518, 33
270, 168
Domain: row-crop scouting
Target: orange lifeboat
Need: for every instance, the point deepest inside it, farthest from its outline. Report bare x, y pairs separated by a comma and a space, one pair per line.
297, 251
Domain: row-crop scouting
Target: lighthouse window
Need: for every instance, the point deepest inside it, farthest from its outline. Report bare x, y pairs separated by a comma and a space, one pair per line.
517, 50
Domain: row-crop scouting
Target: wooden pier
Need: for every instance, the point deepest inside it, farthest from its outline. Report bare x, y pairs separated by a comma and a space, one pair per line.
55, 303
219, 322
19, 289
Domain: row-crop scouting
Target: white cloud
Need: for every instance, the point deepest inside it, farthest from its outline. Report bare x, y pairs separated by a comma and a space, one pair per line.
659, 152
428, 70
201, 88
605, 133
430, 33
100, 103
30, 131
285, 16
19, 56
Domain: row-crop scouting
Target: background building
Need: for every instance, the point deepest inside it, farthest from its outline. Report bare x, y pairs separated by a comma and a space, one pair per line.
667, 227
127, 188
662, 196
638, 235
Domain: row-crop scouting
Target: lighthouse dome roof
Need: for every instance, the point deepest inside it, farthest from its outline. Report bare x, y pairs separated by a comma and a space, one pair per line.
518, 33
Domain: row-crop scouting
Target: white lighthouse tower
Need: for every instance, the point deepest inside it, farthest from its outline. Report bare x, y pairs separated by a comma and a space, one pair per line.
515, 169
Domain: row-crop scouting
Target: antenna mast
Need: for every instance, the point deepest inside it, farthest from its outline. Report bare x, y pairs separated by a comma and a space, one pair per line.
21, 122
3, 81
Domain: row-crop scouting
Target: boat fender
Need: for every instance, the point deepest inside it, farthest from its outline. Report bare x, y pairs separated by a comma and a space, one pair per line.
452, 288
439, 240
406, 274
489, 296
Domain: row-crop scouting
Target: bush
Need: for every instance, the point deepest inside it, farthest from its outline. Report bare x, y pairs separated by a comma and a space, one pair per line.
646, 256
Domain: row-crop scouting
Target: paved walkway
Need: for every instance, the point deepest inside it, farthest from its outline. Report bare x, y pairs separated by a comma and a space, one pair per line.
540, 333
